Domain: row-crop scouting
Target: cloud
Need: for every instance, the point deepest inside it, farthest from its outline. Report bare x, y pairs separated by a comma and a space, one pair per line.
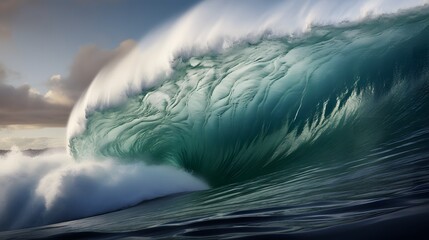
2, 73
33, 143
24, 105
87, 63
8, 9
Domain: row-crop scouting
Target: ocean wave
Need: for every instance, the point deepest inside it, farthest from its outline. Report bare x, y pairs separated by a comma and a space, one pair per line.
259, 105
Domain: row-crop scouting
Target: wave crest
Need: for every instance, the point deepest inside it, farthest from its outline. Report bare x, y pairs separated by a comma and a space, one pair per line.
214, 26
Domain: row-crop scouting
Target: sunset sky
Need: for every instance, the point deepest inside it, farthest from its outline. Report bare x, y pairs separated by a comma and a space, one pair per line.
51, 50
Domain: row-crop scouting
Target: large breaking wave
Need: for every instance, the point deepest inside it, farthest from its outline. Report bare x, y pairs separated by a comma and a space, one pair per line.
231, 91
233, 105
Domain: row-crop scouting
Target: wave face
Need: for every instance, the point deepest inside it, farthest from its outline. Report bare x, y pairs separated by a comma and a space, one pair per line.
267, 101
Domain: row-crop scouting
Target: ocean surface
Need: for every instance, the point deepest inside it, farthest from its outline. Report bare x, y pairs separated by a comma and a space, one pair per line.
322, 134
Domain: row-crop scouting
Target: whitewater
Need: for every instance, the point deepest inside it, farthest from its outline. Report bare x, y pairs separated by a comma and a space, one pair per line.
289, 119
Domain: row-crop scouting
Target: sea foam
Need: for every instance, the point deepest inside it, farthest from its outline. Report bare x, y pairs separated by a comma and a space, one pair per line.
52, 187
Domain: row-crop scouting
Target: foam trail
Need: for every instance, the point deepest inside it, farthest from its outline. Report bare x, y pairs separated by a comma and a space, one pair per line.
52, 187
215, 26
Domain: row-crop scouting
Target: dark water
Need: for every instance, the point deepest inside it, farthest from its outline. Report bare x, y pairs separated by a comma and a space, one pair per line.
325, 136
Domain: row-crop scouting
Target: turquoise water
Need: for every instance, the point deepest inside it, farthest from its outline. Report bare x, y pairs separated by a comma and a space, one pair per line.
259, 107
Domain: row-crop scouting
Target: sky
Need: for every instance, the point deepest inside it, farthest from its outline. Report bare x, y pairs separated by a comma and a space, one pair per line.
51, 50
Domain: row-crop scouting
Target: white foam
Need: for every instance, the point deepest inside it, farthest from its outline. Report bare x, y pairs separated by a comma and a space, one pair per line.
52, 187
